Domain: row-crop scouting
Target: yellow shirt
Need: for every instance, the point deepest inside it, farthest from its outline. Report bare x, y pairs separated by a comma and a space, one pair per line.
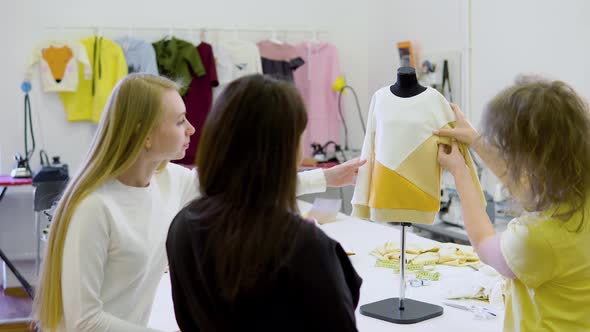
551, 261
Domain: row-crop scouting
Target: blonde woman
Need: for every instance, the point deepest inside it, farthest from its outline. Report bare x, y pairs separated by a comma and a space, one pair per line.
106, 250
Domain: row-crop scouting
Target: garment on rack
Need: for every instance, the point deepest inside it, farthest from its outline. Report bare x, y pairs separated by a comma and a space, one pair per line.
139, 54
58, 65
314, 80
401, 180
245, 57
279, 60
198, 100
224, 66
234, 59
108, 67
178, 60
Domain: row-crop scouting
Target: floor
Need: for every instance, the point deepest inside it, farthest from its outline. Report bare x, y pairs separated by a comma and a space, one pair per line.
14, 311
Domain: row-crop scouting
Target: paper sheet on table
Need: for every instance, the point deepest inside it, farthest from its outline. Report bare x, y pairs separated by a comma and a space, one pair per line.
325, 210
485, 284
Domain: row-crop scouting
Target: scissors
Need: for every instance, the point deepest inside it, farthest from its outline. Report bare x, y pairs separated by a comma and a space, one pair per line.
479, 312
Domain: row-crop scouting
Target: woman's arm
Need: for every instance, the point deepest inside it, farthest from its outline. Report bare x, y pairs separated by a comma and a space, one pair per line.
477, 222
480, 231
308, 182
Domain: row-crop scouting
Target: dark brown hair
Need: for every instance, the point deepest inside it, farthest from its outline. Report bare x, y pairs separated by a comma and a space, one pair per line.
247, 162
541, 129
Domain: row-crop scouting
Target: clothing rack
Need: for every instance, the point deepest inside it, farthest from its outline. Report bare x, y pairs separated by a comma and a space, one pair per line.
188, 29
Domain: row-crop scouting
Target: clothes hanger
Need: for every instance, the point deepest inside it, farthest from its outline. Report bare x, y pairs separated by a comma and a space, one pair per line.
170, 34
273, 38
203, 35
196, 41
314, 36
130, 31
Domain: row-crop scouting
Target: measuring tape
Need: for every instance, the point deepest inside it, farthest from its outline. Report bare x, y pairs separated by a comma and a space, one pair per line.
428, 275
423, 271
409, 266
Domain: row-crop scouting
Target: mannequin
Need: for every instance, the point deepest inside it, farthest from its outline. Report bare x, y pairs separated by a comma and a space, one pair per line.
401, 310
407, 84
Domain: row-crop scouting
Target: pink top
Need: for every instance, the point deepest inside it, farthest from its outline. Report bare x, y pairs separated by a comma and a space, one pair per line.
314, 80
274, 51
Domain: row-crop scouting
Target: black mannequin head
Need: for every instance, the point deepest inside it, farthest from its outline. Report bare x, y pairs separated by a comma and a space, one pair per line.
407, 84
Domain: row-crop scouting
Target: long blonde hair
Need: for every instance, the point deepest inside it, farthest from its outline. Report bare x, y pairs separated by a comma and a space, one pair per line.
131, 113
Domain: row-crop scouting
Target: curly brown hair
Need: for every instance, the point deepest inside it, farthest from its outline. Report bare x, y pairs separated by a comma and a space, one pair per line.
541, 129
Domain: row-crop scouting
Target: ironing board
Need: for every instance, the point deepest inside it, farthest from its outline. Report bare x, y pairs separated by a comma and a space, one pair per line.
8, 181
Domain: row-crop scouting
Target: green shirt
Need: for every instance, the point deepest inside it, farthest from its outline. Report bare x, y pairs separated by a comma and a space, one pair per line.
178, 60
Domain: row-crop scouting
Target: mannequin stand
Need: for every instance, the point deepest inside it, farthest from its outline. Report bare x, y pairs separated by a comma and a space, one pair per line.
401, 310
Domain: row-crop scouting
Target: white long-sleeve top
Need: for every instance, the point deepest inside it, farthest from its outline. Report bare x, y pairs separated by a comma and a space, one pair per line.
114, 252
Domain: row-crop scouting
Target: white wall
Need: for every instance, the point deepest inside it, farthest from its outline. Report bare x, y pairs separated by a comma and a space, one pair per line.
23, 23
432, 26
528, 36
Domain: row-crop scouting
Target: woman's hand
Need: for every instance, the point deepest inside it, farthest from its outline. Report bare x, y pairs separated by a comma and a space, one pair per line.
463, 131
450, 158
343, 174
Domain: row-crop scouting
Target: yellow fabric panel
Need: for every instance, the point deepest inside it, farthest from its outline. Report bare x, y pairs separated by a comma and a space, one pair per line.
392, 215
422, 169
402, 215
389, 190
361, 211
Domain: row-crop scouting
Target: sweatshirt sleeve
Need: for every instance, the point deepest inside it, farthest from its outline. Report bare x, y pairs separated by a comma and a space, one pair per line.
194, 60
84, 256
149, 63
360, 198
82, 57
310, 182
33, 59
121, 64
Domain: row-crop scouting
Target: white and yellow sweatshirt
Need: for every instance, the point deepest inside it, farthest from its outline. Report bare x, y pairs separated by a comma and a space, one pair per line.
58, 65
401, 180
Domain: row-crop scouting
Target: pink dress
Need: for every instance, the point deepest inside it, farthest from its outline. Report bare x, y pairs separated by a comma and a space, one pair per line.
314, 80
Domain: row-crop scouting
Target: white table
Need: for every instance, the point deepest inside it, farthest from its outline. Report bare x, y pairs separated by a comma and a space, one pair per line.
378, 283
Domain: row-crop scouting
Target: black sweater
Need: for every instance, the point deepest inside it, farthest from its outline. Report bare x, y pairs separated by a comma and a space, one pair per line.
315, 288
